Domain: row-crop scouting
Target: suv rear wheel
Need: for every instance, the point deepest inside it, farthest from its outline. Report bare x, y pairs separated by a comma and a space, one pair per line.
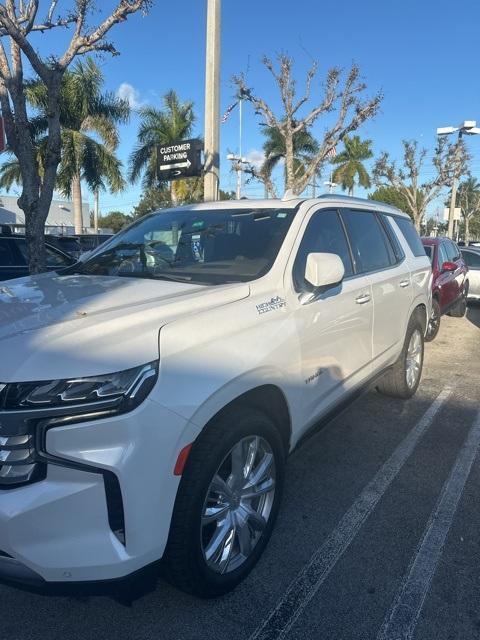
226, 505
402, 380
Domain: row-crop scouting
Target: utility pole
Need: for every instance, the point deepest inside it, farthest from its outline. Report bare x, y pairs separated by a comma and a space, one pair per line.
212, 102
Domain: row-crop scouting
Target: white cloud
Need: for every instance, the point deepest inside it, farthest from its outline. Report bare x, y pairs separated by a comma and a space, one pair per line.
256, 157
127, 92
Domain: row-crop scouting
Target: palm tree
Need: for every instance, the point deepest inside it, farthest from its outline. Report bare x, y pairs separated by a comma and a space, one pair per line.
350, 163
304, 147
84, 110
159, 127
469, 200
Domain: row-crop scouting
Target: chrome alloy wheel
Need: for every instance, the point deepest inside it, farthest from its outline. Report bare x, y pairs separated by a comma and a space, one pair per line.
414, 359
238, 504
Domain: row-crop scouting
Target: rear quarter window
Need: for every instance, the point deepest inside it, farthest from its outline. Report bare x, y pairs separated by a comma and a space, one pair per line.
411, 236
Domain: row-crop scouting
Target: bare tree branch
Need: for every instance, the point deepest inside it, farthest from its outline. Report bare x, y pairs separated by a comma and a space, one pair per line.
450, 162
344, 99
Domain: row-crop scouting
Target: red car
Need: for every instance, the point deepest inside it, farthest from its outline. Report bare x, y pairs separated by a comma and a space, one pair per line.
450, 281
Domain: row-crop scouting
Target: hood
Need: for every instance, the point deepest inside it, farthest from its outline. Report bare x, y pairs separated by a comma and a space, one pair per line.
60, 326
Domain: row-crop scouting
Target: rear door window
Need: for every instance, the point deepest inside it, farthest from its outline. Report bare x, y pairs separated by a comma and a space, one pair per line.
411, 236
367, 240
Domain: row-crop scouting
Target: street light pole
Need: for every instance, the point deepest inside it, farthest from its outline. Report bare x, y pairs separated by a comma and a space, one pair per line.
212, 102
453, 199
470, 128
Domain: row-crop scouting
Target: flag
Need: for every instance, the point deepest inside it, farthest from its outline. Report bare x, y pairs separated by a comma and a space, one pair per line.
229, 111
331, 153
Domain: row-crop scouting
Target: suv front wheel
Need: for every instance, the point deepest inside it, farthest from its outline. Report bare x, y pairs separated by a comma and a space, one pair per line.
402, 380
227, 503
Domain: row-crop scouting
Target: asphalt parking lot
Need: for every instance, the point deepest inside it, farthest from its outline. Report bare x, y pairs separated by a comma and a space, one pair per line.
378, 536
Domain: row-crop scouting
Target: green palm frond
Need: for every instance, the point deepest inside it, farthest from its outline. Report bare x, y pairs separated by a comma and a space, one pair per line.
159, 126
89, 120
304, 148
350, 163
10, 174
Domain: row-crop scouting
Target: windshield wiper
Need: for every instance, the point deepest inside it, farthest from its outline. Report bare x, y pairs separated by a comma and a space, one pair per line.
158, 276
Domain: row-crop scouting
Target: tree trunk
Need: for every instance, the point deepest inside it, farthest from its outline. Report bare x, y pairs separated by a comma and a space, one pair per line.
77, 204
37, 193
289, 162
418, 222
35, 236
350, 191
467, 230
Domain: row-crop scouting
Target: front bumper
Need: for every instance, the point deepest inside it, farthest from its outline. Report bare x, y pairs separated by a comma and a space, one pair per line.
59, 529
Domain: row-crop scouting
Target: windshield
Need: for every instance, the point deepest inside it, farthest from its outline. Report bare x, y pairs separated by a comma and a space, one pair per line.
202, 246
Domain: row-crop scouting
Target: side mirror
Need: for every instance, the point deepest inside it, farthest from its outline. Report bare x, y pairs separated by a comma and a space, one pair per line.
324, 269
449, 266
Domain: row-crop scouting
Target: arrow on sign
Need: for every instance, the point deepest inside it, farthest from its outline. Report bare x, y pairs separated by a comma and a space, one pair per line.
178, 165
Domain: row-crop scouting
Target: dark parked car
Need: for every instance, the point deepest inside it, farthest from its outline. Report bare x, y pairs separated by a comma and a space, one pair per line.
450, 281
13, 257
67, 244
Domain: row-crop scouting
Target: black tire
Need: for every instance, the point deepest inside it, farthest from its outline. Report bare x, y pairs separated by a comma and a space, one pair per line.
434, 321
184, 563
394, 383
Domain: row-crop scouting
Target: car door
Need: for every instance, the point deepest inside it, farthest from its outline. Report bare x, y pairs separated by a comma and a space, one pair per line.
334, 327
12, 263
448, 284
378, 255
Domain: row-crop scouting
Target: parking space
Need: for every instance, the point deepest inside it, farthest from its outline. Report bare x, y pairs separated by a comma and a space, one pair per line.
377, 536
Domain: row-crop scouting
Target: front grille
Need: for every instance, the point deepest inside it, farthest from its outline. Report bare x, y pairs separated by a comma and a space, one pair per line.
17, 463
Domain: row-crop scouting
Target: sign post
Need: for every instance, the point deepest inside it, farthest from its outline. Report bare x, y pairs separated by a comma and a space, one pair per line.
178, 160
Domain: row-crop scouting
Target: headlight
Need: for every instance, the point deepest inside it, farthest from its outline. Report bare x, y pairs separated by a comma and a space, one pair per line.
128, 388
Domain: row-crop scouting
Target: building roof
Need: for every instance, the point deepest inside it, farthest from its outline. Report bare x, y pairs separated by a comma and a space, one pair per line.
60, 214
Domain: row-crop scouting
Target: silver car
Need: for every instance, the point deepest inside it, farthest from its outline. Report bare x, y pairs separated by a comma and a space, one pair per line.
471, 255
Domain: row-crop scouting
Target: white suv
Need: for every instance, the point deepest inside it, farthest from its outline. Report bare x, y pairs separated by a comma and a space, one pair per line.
150, 396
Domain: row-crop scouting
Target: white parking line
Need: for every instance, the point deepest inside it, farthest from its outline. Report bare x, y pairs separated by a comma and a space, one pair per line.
401, 620
312, 576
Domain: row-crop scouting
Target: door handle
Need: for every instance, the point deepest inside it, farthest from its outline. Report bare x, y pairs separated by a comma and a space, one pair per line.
365, 297
404, 283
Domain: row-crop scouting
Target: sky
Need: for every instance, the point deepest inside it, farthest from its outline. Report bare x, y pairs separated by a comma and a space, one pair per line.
422, 54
